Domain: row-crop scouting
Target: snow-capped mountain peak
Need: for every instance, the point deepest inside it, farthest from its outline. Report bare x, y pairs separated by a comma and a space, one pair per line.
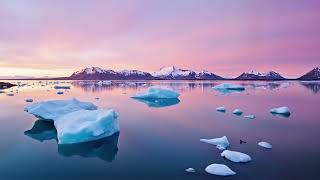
312, 75
92, 70
253, 75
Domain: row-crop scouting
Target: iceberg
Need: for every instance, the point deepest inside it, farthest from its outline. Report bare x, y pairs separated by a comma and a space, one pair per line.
51, 110
265, 145
221, 109
237, 112
227, 88
250, 116
235, 156
190, 170
86, 125
157, 93
101, 83
284, 111
219, 170
62, 87
220, 143
158, 103
29, 100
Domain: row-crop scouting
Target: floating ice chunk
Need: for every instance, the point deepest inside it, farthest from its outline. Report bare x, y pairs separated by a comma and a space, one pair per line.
221, 109
51, 110
190, 170
250, 116
2, 91
220, 143
235, 156
265, 145
157, 93
281, 110
60, 92
219, 170
10, 94
62, 87
29, 100
237, 112
101, 83
227, 88
86, 125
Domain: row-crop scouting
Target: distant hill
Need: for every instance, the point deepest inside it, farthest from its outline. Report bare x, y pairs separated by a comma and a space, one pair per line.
267, 76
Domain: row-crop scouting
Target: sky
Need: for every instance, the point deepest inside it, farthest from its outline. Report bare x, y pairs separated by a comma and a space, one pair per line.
57, 37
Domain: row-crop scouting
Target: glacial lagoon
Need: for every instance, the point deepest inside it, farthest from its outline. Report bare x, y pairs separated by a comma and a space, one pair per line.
159, 139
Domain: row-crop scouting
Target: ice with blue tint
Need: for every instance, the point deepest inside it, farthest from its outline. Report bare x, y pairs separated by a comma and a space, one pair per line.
219, 170
237, 112
220, 143
221, 109
86, 125
158, 103
62, 87
281, 111
250, 116
227, 88
157, 93
265, 145
235, 156
51, 110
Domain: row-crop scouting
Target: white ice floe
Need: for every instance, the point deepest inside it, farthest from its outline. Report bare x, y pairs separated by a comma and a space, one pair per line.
227, 88
250, 116
237, 112
29, 100
220, 143
51, 110
60, 92
280, 110
221, 109
86, 125
101, 83
190, 170
157, 93
219, 170
265, 145
235, 156
62, 87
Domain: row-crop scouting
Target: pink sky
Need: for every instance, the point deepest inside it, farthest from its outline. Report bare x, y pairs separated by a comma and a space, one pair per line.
54, 38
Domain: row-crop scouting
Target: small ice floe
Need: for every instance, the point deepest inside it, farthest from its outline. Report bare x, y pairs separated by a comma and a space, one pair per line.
2, 91
157, 93
284, 111
10, 94
220, 143
29, 100
221, 109
235, 156
219, 170
227, 88
60, 92
265, 145
51, 110
86, 125
237, 112
106, 83
62, 87
250, 116
190, 170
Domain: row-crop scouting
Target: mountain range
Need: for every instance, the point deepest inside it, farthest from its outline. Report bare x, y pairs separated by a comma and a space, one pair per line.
173, 73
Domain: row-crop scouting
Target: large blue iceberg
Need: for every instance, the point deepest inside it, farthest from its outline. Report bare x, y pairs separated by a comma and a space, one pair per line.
227, 88
76, 121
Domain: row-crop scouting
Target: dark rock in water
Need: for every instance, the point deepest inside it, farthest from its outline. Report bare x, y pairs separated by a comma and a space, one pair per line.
242, 142
5, 85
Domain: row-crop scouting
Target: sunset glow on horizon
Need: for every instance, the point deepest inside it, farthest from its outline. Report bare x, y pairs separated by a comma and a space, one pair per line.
56, 38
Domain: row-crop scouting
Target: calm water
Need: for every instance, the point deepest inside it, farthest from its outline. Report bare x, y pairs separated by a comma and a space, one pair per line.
160, 139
